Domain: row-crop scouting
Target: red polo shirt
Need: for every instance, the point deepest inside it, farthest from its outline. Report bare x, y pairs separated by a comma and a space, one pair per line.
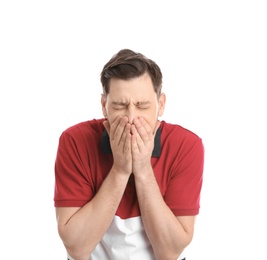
84, 159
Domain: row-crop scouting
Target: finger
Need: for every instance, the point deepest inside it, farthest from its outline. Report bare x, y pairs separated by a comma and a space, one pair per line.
118, 132
126, 132
107, 126
143, 128
137, 141
134, 146
113, 127
147, 126
126, 139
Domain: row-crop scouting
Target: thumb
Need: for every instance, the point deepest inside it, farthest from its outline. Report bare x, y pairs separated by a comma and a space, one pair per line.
107, 126
156, 127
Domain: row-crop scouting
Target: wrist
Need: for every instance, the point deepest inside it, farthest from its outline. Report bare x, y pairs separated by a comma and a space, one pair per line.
144, 174
119, 173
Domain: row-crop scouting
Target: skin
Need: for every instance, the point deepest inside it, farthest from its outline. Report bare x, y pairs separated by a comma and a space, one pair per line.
132, 109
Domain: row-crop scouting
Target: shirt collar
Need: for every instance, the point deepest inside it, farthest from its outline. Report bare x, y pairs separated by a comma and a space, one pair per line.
105, 144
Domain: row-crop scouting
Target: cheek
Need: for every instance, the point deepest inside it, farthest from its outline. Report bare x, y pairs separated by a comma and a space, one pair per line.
151, 119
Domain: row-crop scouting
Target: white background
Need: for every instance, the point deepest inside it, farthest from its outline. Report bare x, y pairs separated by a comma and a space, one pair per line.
214, 62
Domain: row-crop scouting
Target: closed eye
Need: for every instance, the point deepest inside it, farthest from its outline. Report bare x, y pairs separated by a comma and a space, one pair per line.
143, 107
119, 107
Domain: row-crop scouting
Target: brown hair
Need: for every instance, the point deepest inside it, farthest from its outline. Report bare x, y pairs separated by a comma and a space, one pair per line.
127, 64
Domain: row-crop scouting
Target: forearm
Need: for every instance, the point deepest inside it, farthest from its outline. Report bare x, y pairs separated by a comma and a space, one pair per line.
166, 234
86, 227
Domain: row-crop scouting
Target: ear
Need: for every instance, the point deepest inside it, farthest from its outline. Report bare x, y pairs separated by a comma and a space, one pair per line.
103, 104
162, 101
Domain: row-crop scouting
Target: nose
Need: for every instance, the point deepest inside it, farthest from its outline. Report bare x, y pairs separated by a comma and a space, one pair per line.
131, 113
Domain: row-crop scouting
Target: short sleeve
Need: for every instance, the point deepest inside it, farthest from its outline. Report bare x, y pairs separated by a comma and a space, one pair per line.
184, 188
72, 185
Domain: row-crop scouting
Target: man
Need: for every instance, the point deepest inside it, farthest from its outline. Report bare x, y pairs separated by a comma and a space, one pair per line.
128, 186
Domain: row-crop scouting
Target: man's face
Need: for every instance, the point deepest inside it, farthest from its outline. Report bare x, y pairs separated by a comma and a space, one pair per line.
133, 98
